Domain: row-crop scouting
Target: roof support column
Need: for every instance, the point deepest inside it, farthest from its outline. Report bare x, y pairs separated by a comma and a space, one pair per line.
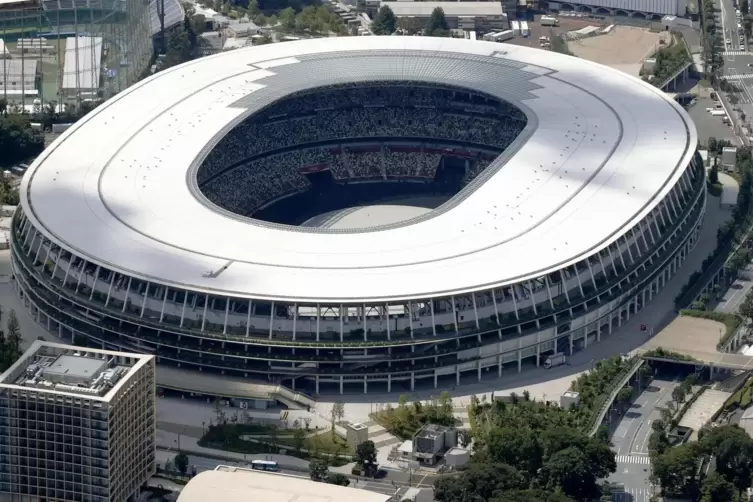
475, 310
47, 255
515, 305
647, 225
580, 284
80, 275
548, 292
164, 302
33, 232
183, 311
94, 282
295, 319
672, 199
533, 298
57, 260
494, 302
67, 270
387, 316
663, 208
342, 322
454, 314
630, 253
227, 314
39, 249
364, 322
433, 322
127, 294
204, 316
143, 304
271, 320
318, 317
410, 318
248, 318
109, 289
564, 286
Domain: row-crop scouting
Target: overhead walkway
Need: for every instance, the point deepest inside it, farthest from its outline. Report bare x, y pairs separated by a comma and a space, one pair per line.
695, 338
233, 388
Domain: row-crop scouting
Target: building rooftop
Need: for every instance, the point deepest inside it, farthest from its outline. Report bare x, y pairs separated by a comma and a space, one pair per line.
432, 431
601, 150
236, 484
70, 370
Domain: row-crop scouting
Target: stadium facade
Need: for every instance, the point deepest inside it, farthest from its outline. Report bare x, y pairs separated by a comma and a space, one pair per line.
69, 52
580, 193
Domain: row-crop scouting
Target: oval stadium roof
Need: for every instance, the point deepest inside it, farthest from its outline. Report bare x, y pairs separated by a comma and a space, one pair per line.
600, 151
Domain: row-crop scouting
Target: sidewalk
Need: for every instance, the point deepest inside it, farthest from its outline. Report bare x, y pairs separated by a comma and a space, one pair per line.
190, 446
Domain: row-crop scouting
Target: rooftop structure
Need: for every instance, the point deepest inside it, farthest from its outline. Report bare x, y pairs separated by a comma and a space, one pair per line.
582, 195
236, 484
100, 403
452, 9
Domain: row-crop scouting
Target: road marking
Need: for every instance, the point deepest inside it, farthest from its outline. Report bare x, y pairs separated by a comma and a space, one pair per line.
633, 459
735, 53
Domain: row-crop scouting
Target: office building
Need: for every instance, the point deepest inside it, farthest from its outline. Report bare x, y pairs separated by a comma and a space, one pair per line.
76, 424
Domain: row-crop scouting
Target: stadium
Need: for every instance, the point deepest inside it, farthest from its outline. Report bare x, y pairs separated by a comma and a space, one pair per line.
569, 194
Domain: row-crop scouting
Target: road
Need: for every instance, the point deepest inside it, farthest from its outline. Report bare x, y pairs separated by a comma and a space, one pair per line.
630, 442
735, 294
738, 62
385, 487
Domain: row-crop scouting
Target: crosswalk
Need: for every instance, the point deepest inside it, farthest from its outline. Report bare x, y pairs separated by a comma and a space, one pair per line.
632, 495
734, 53
633, 459
738, 77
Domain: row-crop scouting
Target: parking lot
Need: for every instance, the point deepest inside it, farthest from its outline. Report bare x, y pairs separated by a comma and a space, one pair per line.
706, 124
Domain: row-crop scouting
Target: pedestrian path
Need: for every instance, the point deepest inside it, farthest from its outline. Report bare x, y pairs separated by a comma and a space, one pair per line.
632, 495
633, 459
738, 77
734, 53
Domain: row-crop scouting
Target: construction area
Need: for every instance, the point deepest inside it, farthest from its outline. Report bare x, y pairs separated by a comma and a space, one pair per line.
624, 48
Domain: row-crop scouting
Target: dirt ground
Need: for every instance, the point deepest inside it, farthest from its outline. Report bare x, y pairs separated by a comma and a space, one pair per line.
624, 48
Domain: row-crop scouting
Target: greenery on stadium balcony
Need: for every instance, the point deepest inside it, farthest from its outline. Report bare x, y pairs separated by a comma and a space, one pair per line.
732, 239
669, 60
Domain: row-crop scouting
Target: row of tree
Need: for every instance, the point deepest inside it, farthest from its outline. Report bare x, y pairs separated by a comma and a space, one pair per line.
712, 42
678, 469
386, 23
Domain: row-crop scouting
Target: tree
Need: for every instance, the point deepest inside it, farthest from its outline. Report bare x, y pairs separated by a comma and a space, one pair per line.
437, 25
338, 410
385, 21
337, 478
531, 496
464, 437
299, 438
675, 470
519, 448
733, 451
366, 455
479, 482
717, 489
412, 26
678, 394
318, 469
18, 141
181, 463
624, 395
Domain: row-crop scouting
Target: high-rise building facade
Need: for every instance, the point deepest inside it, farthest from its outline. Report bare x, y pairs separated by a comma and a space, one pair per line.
76, 424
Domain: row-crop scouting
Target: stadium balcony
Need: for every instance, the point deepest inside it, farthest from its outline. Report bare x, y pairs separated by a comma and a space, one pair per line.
90, 317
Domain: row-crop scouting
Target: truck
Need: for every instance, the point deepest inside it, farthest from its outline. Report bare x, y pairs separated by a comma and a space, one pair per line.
515, 27
555, 360
524, 28
499, 36
549, 21
718, 113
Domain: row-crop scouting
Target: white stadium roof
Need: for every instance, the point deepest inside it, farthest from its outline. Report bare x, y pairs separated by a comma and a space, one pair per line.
231, 484
600, 151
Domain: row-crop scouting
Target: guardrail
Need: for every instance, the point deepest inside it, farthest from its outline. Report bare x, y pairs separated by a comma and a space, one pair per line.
677, 73
606, 402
